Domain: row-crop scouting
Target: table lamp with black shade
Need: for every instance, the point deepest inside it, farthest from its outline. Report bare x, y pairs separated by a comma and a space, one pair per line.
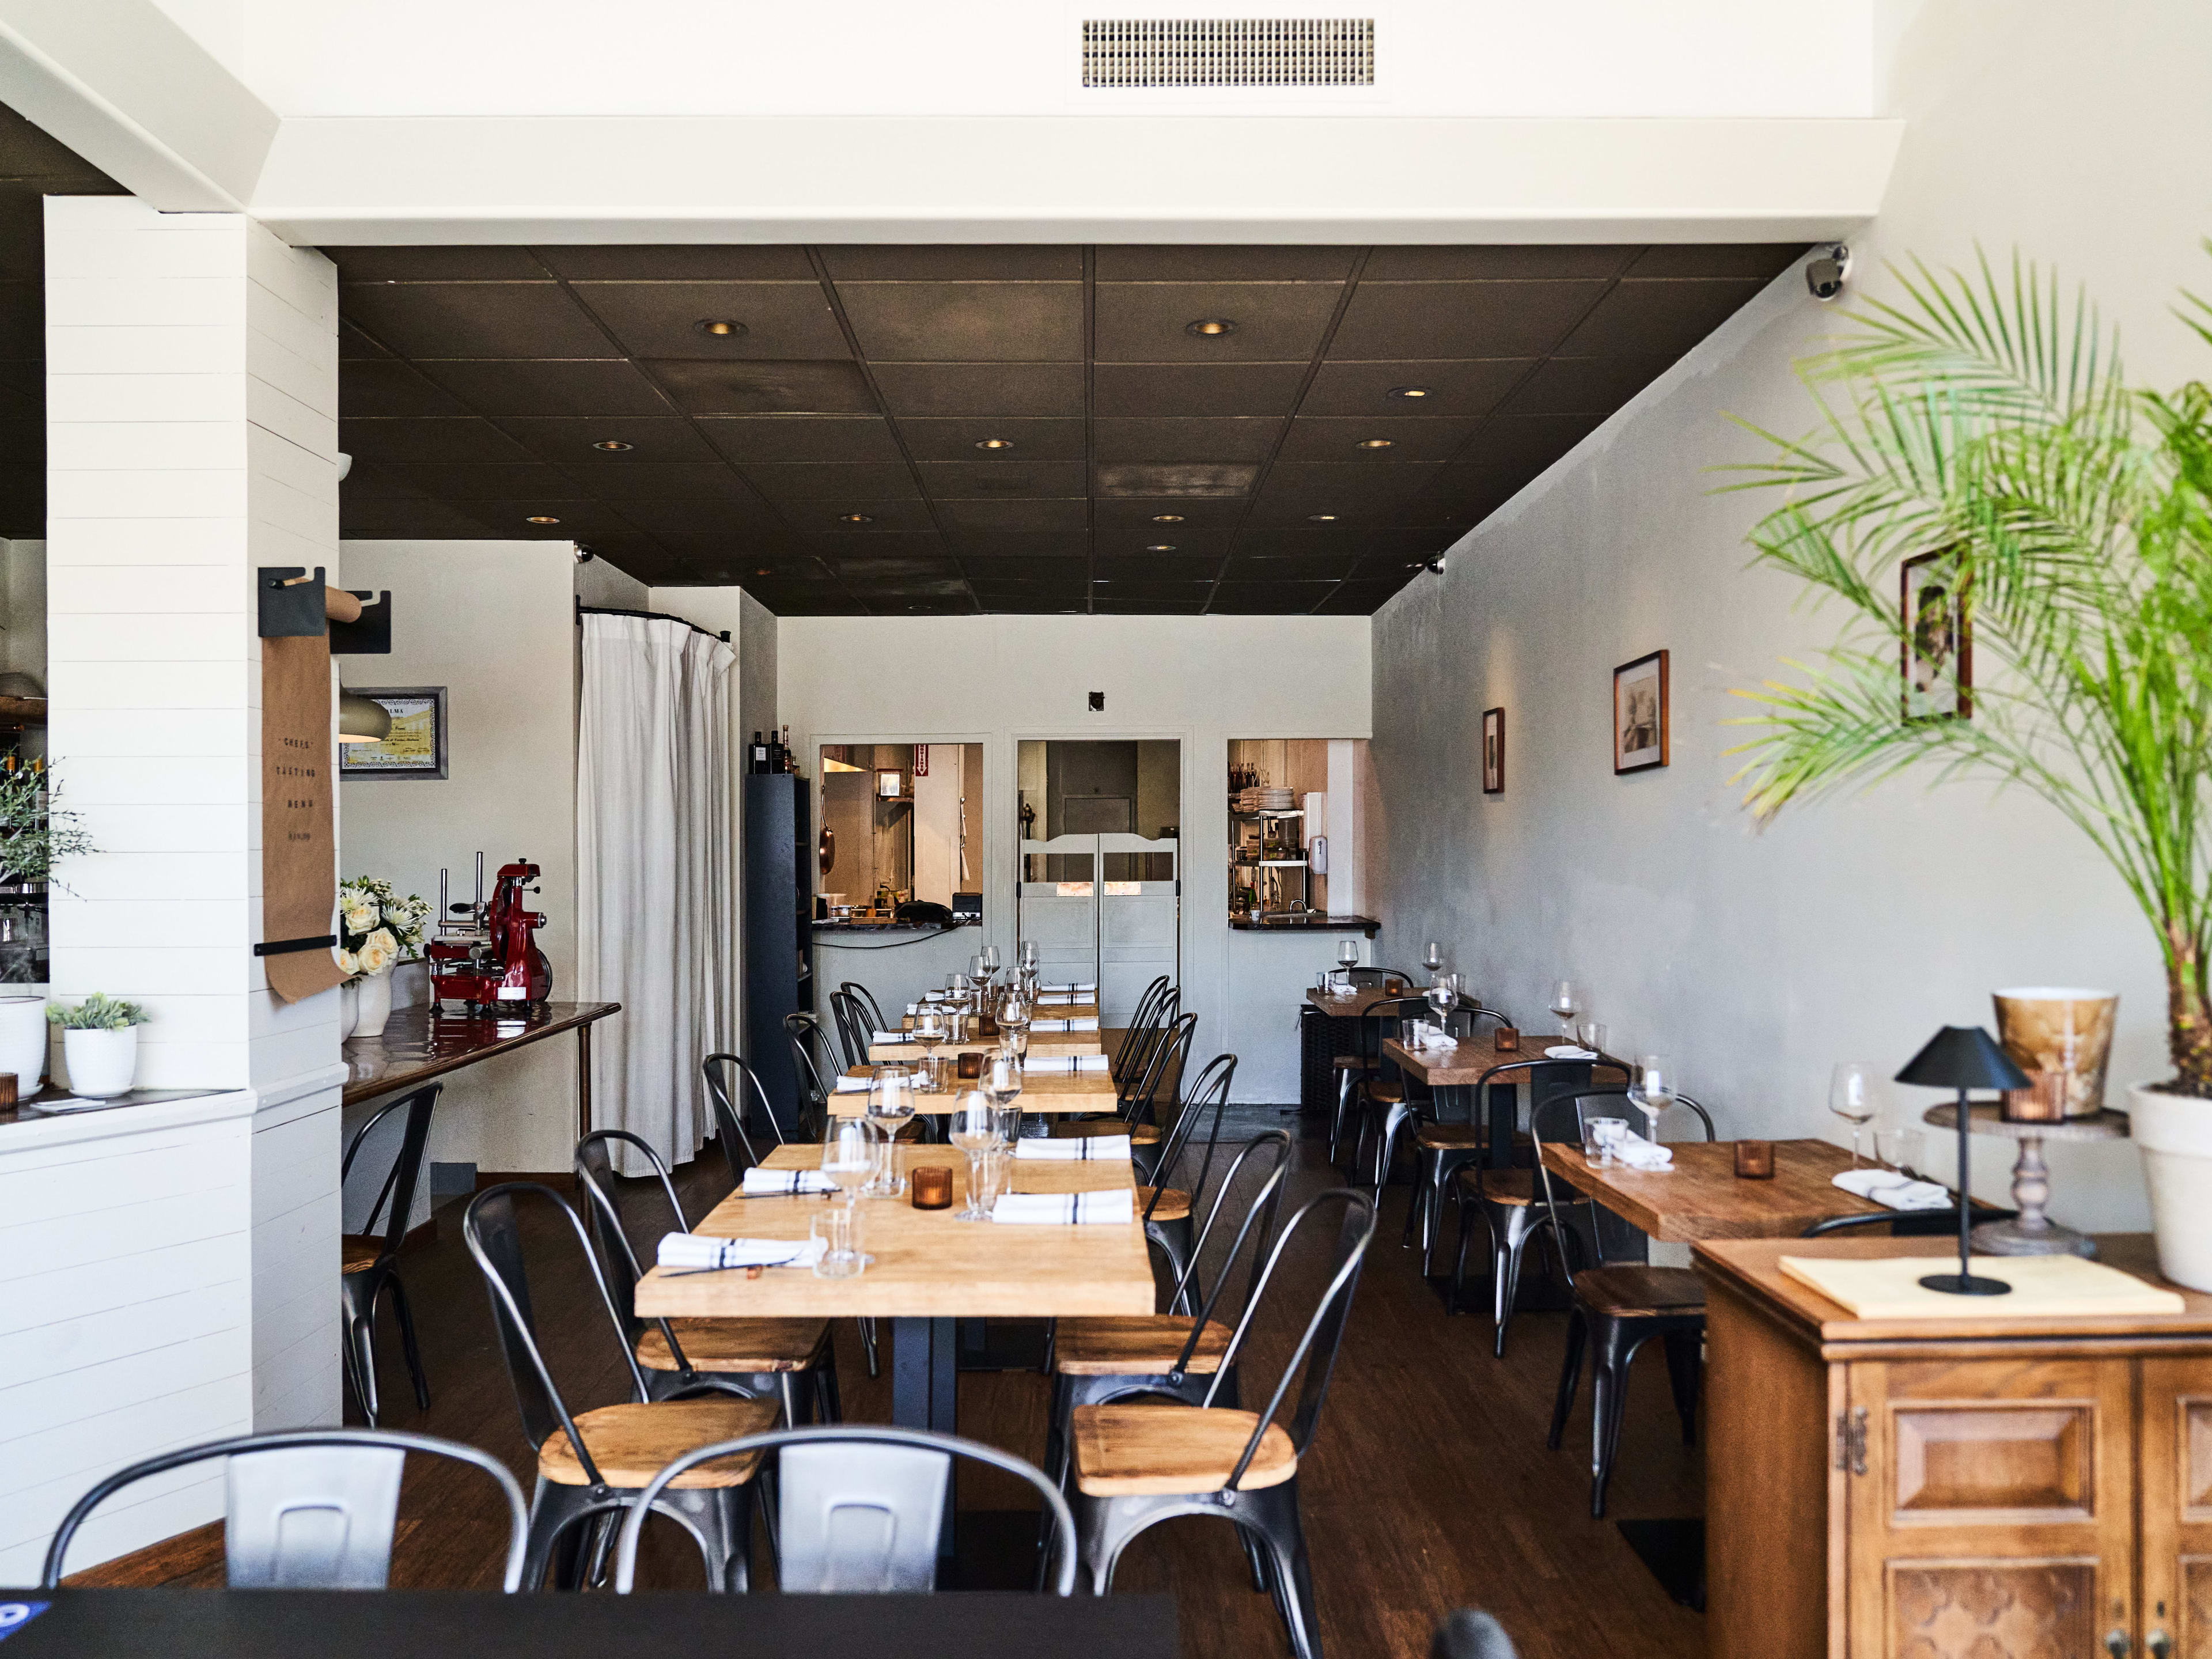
1963, 1057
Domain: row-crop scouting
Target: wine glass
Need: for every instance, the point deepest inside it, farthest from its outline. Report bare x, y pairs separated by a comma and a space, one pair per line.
1566, 1005
890, 1106
1348, 953
991, 962
974, 1131
1653, 1091
979, 970
1443, 996
1029, 958
1002, 1080
929, 1031
1857, 1094
1014, 1012
1433, 958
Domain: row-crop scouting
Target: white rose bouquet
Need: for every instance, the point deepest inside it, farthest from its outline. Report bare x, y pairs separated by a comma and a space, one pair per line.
377, 928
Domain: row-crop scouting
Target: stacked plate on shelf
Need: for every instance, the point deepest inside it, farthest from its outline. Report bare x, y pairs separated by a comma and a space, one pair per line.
1265, 800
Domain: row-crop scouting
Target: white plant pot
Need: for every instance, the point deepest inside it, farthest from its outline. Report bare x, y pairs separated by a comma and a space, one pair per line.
24, 1041
2174, 1134
349, 1009
100, 1063
375, 1005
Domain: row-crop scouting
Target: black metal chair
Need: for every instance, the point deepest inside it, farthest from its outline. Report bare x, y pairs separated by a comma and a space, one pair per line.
1132, 1065
860, 1507
591, 1464
1908, 1224
734, 1090
1166, 1210
365, 1271
306, 1509
1467, 1634
815, 1067
1142, 1024
1235, 1465
754, 1358
1380, 1096
869, 1006
853, 1030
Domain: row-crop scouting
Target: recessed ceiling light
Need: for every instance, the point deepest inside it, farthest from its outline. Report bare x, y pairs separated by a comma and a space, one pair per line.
539, 518
1161, 547
722, 328
613, 446
855, 517
765, 570
1167, 518
1409, 391
1210, 327
994, 443
1321, 518
1376, 443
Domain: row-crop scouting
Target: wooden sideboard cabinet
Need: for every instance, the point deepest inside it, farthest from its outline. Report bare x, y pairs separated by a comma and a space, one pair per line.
1975, 1488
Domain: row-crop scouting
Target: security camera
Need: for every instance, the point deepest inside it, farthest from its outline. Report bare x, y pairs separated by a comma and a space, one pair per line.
1825, 270
1435, 567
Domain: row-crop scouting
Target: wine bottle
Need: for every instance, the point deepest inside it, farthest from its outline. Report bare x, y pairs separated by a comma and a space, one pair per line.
757, 756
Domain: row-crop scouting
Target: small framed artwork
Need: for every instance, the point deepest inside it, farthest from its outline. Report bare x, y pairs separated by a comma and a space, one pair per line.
414, 748
1936, 647
1639, 714
1493, 752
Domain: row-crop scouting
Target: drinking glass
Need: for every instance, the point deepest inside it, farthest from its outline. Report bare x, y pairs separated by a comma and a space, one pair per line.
991, 961
1566, 1005
1593, 1034
1857, 1094
1433, 958
838, 1228
974, 1131
1442, 997
1900, 1147
979, 969
1028, 957
849, 1156
1348, 953
890, 1106
929, 1031
1598, 1135
1653, 1091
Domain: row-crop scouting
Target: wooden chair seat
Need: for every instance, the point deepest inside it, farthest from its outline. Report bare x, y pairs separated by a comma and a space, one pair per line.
1515, 1187
1075, 1128
1632, 1291
1145, 1134
1135, 1344
749, 1346
1352, 1063
632, 1444
1125, 1451
1174, 1205
1458, 1137
358, 1256
1385, 1091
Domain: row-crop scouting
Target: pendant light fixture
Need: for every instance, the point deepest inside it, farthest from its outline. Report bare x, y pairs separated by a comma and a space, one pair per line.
362, 720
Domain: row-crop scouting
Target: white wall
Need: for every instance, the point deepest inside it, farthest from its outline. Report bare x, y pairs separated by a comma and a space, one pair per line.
1201, 680
1849, 930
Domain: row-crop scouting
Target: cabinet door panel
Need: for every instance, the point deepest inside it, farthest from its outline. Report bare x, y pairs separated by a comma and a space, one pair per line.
1994, 1519
2176, 1504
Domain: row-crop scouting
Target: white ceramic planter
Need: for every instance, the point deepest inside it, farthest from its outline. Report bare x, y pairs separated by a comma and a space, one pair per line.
2174, 1134
24, 1041
100, 1063
375, 1005
349, 1009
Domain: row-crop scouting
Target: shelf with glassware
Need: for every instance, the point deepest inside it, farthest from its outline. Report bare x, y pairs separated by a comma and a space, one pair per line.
1270, 871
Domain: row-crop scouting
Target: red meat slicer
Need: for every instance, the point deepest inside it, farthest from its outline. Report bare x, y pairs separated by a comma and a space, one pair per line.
490, 961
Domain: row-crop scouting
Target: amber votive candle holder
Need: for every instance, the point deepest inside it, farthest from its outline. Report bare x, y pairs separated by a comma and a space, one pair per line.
1754, 1160
2043, 1100
932, 1186
969, 1066
1506, 1040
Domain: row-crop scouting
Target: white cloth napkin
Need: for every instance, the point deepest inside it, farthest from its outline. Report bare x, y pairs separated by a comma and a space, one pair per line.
1087, 1149
893, 1037
1061, 1209
782, 1183
1426, 1036
1569, 1051
1090, 1024
851, 1086
689, 1253
1646, 1155
1064, 1064
1044, 991
1892, 1190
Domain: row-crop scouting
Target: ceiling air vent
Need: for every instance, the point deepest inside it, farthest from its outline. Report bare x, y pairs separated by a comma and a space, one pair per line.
1229, 52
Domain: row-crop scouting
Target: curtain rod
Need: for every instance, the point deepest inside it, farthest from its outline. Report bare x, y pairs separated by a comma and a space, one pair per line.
584, 610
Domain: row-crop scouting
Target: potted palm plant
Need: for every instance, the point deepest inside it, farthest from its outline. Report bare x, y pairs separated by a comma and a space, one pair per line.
1980, 433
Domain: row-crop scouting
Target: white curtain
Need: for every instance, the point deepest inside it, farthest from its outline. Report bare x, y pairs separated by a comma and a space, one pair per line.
656, 923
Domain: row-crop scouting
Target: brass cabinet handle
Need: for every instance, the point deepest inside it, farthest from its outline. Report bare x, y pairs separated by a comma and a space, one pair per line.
2117, 1643
2158, 1645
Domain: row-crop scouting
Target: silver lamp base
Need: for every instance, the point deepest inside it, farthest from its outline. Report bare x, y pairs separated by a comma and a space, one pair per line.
2012, 1238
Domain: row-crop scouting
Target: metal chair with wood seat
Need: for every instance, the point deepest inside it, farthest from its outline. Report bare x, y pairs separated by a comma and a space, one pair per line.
756, 1358
1618, 1307
854, 1032
1131, 1113
1143, 1024
591, 1464
1136, 1465
873, 1010
815, 1068
1350, 1068
1166, 1210
735, 1093
367, 1270
1381, 1095
1441, 1149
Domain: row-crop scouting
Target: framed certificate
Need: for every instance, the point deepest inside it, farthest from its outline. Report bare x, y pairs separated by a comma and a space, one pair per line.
416, 747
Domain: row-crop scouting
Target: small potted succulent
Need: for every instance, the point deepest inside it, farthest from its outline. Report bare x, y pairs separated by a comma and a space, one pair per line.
99, 1043
377, 930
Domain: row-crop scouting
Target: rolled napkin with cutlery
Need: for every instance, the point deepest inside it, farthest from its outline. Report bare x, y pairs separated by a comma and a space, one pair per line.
1648, 1156
893, 1037
1064, 1065
689, 1253
1044, 991
851, 1086
1090, 1024
785, 1184
1893, 1190
1087, 1149
1065, 1209
1569, 1051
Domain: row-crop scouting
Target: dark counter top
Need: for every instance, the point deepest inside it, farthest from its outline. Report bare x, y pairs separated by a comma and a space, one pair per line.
1315, 924
897, 926
51, 1102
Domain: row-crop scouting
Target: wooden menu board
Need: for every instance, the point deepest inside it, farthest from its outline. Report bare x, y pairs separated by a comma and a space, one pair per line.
299, 859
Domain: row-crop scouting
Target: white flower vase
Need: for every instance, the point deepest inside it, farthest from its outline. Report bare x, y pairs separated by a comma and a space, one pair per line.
349, 1008
100, 1063
375, 1004
24, 1041
2174, 1134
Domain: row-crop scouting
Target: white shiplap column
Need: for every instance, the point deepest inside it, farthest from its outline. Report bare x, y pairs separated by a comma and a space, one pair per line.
191, 408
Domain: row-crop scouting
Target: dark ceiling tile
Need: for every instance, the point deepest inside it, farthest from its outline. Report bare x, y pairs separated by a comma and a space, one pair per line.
1157, 569
957, 603
1531, 441
1167, 438
1392, 567
1668, 316
435, 264
837, 552
1149, 322
386, 386
382, 521
1296, 492
1318, 566
675, 521
979, 262
1268, 599
365, 480
558, 385
23, 392
861, 518
832, 482
1535, 260
1162, 539
1342, 438
353, 343
698, 262
863, 574
1188, 389
787, 559
984, 569
781, 321
1469, 493
657, 481
981, 388
1150, 594
643, 557
1463, 387
1583, 386
1254, 264
777, 388
1761, 261
480, 481
1181, 511
22, 230
29, 151
1016, 546
1460, 319
571, 518
987, 480
1040, 602
943, 439
1168, 479
801, 437
966, 322
1414, 539
1032, 515
1357, 598
429, 438
1309, 541
22, 321
570, 438
475, 319
1106, 605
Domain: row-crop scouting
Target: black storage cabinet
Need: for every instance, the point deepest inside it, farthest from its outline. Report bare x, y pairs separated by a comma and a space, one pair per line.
778, 928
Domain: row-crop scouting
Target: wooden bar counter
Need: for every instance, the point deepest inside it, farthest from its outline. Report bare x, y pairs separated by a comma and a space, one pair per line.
421, 1042
1976, 1487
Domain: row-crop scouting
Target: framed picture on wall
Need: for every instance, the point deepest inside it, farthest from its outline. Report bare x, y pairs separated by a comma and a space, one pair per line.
1493, 752
1937, 652
1639, 714
416, 747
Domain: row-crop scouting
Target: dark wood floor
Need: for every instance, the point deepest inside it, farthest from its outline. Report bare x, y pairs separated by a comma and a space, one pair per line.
1428, 1489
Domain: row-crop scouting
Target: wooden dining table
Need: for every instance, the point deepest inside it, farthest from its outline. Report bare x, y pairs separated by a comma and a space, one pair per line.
1450, 1070
1058, 1044
1701, 1197
1043, 1091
